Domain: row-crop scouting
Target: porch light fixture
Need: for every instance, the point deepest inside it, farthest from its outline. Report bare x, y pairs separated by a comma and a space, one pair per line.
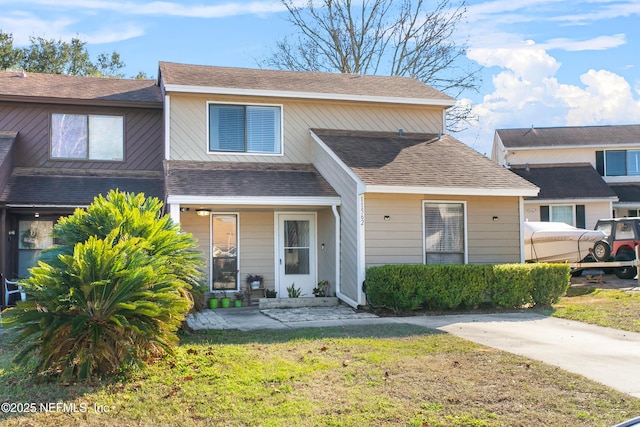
203, 212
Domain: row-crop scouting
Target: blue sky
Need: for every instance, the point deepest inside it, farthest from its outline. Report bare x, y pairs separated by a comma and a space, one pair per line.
547, 62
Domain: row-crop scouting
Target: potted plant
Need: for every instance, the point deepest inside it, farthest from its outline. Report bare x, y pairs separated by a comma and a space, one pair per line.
293, 291
213, 302
255, 281
270, 293
237, 302
225, 301
322, 289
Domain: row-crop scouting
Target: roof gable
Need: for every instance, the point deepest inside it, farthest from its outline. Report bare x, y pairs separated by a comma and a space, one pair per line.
59, 88
569, 136
420, 161
298, 84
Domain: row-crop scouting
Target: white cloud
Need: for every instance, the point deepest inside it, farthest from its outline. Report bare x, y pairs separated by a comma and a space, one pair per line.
527, 92
596, 43
163, 8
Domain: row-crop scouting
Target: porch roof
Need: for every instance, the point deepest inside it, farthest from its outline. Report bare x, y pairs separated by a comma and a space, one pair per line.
420, 163
43, 187
201, 181
566, 181
627, 192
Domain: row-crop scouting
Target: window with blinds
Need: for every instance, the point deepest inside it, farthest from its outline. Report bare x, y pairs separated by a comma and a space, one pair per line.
245, 129
444, 225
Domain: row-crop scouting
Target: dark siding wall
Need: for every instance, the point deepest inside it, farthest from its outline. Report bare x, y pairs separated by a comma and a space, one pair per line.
143, 136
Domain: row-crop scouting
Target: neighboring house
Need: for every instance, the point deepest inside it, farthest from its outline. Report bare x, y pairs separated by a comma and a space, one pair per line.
64, 140
584, 173
304, 177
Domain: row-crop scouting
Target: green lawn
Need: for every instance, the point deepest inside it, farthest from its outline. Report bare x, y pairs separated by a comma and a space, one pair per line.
392, 375
604, 307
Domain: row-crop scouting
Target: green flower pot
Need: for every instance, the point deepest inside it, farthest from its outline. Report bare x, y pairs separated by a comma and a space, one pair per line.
237, 303
226, 302
213, 303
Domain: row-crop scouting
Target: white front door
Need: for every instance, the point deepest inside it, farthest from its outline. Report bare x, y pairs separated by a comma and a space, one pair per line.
296, 253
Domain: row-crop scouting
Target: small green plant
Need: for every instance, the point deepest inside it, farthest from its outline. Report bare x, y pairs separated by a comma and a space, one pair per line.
322, 289
293, 292
270, 293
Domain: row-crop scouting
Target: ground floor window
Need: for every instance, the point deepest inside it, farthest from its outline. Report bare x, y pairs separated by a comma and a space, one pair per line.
224, 250
444, 232
34, 237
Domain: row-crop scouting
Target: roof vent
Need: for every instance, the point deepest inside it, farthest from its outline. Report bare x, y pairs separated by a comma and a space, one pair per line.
526, 167
400, 132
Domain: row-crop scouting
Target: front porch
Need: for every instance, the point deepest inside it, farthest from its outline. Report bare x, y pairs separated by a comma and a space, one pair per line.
289, 246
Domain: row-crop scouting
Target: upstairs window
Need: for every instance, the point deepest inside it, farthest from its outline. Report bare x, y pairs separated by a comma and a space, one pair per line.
245, 129
87, 137
619, 162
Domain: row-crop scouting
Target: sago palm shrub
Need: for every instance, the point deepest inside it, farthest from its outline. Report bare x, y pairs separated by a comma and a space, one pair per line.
114, 294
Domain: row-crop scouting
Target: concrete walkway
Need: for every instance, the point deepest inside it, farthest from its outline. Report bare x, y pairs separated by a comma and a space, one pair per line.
605, 355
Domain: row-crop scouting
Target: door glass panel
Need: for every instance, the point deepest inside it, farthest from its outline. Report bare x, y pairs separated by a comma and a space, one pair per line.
296, 247
224, 252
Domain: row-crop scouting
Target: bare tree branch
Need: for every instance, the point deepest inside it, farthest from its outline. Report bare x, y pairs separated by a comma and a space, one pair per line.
414, 38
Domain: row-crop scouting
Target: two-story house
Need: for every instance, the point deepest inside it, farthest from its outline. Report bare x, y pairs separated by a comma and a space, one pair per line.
64, 140
304, 177
584, 173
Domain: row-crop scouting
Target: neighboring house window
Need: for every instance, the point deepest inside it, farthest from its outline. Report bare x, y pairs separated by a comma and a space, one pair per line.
245, 129
88, 137
618, 162
224, 252
444, 232
569, 214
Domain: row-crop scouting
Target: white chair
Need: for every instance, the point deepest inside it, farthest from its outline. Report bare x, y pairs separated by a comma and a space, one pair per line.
8, 293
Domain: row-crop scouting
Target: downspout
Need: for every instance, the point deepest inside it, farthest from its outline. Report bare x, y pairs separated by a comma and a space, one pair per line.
339, 294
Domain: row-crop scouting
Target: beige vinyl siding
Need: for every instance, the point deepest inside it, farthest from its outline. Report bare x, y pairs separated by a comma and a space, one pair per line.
399, 240
188, 124
489, 241
327, 254
593, 211
552, 156
256, 247
347, 188
199, 227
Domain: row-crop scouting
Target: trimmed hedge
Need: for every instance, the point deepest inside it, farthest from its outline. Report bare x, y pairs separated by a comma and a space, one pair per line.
408, 287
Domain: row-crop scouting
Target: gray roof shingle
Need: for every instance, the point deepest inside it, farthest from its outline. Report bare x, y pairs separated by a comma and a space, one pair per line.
226, 179
298, 82
627, 192
569, 136
75, 188
62, 88
418, 160
566, 181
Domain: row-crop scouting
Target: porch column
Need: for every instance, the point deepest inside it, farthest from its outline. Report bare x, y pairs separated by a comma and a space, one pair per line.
174, 212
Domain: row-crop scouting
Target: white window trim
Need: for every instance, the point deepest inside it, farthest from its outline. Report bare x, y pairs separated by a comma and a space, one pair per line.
238, 288
466, 226
244, 153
